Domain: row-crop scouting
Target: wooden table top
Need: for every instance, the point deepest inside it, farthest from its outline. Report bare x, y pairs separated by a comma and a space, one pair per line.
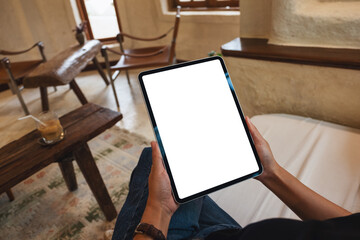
25, 156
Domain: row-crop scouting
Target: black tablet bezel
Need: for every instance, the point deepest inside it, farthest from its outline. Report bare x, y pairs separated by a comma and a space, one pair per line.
158, 138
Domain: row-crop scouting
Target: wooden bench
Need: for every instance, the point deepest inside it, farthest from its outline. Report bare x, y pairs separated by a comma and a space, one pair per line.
22, 158
63, 68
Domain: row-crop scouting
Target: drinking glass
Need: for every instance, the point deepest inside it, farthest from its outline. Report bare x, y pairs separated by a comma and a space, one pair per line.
51, 130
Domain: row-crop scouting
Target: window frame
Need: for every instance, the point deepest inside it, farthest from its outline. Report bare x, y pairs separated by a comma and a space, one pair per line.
206, 5
85, 18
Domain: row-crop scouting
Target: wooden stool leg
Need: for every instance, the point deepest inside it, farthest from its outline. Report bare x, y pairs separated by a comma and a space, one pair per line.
44, 99
115, 95
10, 195
67, 170
78, 92
101, 72
92, 175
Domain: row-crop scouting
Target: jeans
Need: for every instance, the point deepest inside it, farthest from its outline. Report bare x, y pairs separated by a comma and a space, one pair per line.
192, 220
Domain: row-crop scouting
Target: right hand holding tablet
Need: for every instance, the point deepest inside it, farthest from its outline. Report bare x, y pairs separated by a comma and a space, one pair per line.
270, 166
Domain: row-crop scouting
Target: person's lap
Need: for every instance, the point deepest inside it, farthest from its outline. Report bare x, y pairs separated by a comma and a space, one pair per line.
195, 219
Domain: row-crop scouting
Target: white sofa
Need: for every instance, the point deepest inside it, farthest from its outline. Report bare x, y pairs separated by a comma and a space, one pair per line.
324, 156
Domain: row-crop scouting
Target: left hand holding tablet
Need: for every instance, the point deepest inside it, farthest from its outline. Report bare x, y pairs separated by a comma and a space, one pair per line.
159, 183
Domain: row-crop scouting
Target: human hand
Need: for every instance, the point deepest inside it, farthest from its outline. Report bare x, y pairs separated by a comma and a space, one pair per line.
270, 166
160, 196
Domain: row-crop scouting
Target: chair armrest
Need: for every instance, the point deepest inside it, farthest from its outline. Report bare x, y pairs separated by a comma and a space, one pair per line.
4, 52
120, 36
40, 45
5, 62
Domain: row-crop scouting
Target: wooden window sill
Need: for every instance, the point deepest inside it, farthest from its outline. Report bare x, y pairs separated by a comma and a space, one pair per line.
260, 49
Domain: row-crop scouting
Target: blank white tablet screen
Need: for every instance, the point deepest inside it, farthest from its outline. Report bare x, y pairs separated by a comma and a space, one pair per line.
200, 127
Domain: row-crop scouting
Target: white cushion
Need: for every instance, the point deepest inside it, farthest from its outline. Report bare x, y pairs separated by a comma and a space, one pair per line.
324, 156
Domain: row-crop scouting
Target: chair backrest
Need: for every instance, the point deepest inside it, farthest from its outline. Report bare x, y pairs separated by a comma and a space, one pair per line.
21, 68
175, 28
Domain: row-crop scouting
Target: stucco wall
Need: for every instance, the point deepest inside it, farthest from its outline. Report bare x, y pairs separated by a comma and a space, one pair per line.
255, 18
323, 93
322, 23
24, 22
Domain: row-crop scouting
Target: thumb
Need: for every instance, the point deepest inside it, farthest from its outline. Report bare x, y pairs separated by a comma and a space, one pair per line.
156, 156
253, 130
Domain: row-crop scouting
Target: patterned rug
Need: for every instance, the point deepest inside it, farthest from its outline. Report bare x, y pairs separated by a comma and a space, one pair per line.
44, 209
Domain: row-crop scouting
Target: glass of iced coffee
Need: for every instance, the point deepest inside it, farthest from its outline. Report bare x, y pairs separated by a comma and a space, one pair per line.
50, 128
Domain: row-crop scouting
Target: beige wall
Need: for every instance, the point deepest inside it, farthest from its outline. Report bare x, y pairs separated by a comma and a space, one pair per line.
322, 23
24, 22
329, 94
323, 93
255, 18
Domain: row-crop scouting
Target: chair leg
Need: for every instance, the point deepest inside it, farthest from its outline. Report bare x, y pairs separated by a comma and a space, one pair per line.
101, 72
11, 88
16, 89
127, 76
111, 79
12, 84
115, 75
10, 195
115, 94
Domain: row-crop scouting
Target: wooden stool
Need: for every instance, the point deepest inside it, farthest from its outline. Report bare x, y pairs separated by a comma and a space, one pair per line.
24, 157
63, 68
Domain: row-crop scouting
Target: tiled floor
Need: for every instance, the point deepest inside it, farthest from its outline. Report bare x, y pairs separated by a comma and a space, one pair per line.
64, 100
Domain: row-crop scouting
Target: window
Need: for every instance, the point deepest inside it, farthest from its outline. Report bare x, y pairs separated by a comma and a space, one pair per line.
205, 4
101, 18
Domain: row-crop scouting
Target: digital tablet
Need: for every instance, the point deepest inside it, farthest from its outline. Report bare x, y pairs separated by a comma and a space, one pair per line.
199, 126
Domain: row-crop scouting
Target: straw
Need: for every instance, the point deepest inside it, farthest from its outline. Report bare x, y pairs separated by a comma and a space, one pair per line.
35, 118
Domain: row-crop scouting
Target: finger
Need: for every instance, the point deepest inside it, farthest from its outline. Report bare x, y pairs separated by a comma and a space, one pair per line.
156, 155
253, 130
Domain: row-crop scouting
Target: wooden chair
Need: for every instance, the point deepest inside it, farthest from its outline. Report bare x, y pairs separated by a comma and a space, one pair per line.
141, 57
12, 72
